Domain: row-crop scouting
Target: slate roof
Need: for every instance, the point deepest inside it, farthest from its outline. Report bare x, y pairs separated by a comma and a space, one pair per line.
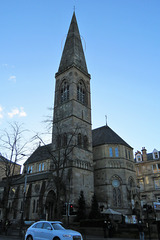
5, 160
32, 177
73, 54
105, 135
40, 154
150, 157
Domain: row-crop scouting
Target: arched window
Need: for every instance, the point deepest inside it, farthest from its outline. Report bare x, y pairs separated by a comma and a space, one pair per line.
37, 207
64, 92
34, 205
58, 141
81, 93
116, 197
79, 140
64, 139
85, 142
130, 183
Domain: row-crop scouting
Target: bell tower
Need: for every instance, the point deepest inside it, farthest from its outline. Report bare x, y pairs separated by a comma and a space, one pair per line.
72, 116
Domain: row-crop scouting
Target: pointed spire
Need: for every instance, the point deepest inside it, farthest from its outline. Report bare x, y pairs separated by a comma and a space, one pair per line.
73, 54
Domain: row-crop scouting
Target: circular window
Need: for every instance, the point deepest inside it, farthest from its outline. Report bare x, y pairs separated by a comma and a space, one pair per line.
115, 183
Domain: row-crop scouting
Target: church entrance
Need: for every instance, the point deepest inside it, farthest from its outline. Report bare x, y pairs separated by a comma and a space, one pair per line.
50, 205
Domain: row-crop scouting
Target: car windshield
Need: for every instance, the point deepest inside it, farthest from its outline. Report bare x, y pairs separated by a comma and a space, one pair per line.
57, 226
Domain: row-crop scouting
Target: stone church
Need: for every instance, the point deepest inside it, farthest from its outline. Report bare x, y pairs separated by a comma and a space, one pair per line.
78, 158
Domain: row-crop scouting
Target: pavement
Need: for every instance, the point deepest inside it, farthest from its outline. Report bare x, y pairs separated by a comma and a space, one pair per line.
88, 237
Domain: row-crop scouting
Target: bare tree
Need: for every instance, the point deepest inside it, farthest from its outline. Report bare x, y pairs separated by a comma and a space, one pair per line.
12, 150
60, 154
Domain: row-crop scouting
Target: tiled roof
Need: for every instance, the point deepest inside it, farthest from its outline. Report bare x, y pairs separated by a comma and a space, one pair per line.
105, 135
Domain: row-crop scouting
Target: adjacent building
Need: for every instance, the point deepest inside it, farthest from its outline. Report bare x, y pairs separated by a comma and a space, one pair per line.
6, 165
148, 178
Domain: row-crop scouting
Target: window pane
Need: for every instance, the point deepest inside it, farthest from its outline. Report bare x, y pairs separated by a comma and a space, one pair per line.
116, 152
129, 154
81, 93
39, 167
64, 92
42, 166
110, 152
157, 183
154, 167
46, 225
38, 225
141, 184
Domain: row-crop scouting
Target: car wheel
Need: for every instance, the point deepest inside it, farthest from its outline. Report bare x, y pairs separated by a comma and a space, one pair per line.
56, 238
29, 238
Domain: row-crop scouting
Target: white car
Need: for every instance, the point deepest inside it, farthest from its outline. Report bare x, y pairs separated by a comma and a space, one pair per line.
50, 230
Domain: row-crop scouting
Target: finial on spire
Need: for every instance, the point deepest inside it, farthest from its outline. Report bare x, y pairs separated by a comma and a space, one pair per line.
106, 120
74, 8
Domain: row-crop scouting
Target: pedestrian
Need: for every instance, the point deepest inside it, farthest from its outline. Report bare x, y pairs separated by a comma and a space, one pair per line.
105, 228
141, 230
110, 228
6, 227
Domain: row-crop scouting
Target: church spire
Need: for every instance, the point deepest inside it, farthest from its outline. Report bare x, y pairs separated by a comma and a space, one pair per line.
73, 54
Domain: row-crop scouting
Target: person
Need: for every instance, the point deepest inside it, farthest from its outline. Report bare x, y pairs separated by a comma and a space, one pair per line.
105, 228
110, 228
141, 230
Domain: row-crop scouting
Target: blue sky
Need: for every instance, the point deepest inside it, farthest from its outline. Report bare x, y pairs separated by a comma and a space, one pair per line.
121, 41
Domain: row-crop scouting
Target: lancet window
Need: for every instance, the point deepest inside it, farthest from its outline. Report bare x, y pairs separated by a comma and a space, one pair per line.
85, 142
81, 93
64, 92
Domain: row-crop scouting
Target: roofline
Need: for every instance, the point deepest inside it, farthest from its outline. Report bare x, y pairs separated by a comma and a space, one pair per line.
73, 65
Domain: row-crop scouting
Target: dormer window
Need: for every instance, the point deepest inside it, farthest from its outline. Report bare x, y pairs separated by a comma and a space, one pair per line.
138, 157
155, 154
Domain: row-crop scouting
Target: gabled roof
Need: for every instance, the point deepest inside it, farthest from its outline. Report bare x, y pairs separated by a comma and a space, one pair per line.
5, 160
105, 135
40, 154
73, 54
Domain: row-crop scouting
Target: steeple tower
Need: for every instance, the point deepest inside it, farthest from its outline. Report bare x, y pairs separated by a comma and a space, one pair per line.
72, 115
73, 54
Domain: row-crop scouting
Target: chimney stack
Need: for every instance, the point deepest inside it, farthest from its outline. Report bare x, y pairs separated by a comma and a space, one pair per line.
144, 154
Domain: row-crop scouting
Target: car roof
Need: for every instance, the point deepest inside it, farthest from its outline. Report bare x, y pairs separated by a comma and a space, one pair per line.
49, 221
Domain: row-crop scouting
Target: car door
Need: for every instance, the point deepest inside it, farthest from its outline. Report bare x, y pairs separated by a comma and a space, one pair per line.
47, 233
37, 231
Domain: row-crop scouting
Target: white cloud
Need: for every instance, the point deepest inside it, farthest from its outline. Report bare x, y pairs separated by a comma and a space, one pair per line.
22, 113
17, 112
12, 78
